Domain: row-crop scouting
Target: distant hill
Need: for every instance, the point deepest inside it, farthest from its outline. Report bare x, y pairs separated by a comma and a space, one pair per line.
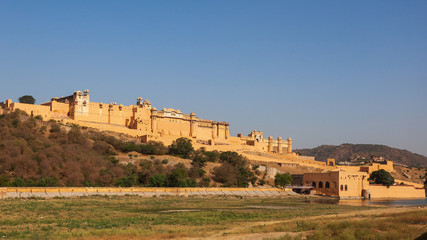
363, 152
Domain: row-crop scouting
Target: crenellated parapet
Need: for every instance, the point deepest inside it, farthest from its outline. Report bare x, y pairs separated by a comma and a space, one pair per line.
256, 139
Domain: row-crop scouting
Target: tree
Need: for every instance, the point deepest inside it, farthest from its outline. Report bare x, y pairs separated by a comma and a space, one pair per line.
382, 177
27, 99
158, 180
181, 147
178, 176
281, 180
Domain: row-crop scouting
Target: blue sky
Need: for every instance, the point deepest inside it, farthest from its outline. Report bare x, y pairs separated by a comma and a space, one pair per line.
321, 72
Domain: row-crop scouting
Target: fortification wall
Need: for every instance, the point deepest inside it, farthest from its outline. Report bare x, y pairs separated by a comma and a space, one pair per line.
377, 166
417, 185
396, 191
173, 126
147, 192
104, 127
59, 109
32, 109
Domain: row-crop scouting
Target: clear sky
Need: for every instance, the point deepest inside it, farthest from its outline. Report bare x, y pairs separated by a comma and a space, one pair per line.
321, 72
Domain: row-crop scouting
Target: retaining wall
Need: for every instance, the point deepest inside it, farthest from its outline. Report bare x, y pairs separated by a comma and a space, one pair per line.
25, 192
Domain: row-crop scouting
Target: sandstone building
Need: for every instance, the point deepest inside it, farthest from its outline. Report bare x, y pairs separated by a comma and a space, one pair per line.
147, 123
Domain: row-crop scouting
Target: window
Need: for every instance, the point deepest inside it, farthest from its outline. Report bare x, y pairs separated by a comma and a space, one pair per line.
320, 185
327, 185
342, 187
346, 187
313, 184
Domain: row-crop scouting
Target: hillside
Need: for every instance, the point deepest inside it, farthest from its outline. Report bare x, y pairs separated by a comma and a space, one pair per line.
365, 152
34, 152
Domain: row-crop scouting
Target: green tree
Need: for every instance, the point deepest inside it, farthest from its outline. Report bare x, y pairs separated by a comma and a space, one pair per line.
234, 170
181, 147
48, 182
158, 180
178, 176
281, 180
128, 181
382, 177
27, 99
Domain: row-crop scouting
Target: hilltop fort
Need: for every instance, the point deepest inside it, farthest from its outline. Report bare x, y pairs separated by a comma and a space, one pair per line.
144, 122
147, 123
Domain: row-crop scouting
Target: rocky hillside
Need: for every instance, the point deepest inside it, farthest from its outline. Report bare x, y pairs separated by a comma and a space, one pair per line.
354, 153
34, 152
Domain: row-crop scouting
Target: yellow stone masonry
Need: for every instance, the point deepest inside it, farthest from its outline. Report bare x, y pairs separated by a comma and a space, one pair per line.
146, 123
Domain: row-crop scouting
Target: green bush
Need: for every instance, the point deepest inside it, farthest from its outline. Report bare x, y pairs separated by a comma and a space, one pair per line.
382, 177
128, 181
158, 180
181, 147
27, 99
47, 182
281, 180
212, 156
234, 170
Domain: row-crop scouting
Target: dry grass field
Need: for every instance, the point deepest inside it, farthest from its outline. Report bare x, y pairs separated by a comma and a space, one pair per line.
131, 217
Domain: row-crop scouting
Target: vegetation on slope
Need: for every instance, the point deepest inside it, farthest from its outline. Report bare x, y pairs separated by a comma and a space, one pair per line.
37, 153
349, 152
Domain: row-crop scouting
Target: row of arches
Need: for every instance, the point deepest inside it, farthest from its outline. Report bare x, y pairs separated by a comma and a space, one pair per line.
327, 185
320, 184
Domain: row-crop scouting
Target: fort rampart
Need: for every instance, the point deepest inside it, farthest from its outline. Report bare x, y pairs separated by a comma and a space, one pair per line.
46, 192
146, 123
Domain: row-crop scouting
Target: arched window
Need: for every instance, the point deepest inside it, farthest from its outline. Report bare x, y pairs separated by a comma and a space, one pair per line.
346, 187
327, 185
320, 185
342, 187
313, 184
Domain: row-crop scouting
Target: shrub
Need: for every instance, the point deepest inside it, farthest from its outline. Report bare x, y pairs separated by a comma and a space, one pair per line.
55, 128
42, 129
181, 147
234, 170
178, 176
158, 180
199, 158
212, 156
281, 180
165, 161
205, 182
48, 182
128, 181
114, 160
158, 148
145, 164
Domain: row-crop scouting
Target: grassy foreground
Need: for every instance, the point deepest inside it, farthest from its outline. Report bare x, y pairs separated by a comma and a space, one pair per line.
130, 217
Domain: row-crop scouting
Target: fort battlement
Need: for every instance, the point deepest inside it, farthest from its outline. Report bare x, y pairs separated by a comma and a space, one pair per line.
147, 123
